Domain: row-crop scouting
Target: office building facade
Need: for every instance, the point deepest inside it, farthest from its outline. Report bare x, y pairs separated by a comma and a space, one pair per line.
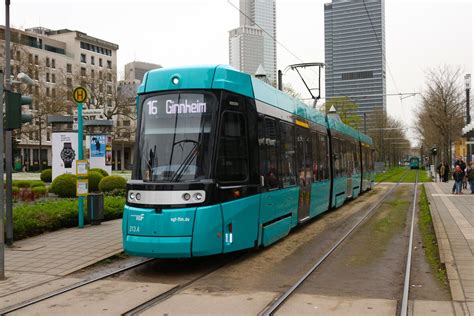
355, 53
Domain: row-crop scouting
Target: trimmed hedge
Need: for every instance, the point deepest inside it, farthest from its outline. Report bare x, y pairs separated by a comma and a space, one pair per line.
64, 185
23, 184
26, 183
101, 171
94, 179
111, 183
39, 191
37, 218
47, 175
38, 184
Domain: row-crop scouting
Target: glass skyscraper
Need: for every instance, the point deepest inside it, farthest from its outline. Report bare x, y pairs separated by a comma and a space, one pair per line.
354, 33
249, 44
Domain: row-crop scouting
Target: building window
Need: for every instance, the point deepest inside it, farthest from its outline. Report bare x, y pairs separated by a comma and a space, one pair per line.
83, 71
109, 77
357, 75
109, 103
47, 62
92, 73
100, 62
53, 78
47, 92
69, 82
30, 58
48, 136
92, 60
53, 63
36, 60
126, 123
18, 55
83, 58
109, 64
47, 77
53, 92
69, 68
109, 89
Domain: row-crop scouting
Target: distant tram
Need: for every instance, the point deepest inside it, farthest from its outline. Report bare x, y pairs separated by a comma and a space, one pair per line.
225, 162
414, 163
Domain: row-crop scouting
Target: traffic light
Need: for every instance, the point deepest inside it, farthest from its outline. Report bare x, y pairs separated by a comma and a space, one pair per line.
13, 112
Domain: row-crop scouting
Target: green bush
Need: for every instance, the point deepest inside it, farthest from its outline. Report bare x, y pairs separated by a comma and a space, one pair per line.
110, 183
23, 184
46, 175
39, 191
37, 185
15, 190
101, 171
94, 179
36, 218
64, 185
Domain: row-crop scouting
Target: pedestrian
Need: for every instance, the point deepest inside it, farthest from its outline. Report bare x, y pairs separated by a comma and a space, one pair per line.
446, 172
462, 165
470, 176
458, 175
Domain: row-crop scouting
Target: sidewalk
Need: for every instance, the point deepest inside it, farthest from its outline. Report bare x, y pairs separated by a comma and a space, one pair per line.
453, 220
40, 259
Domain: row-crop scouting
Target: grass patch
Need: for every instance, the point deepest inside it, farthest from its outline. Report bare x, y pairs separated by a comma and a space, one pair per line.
428, 237
36, 218
395, 174
389, 221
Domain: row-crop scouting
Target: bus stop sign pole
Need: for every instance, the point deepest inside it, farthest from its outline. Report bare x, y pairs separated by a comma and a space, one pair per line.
80, 95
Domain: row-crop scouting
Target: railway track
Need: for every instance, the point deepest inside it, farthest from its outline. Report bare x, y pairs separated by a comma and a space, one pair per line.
278, 302
72, 287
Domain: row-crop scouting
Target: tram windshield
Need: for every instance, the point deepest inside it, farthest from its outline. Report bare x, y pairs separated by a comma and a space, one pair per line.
175, 137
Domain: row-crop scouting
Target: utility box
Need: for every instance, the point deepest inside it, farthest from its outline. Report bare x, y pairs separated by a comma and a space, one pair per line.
95, 208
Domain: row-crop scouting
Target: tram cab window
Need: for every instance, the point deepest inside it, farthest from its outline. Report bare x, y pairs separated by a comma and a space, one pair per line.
232, 158
287, 167
269, 150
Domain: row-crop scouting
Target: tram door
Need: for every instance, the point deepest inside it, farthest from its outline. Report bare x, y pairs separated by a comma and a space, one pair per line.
304, 168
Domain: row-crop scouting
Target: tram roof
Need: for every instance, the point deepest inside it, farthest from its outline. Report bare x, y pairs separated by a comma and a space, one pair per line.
365, 139
228, 78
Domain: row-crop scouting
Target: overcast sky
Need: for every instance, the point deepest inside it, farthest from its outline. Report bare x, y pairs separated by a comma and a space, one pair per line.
420, 35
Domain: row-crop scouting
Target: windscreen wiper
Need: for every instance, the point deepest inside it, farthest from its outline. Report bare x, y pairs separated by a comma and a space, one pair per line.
187, 160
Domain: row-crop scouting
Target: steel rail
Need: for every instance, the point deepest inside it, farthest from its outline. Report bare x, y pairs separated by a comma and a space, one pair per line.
69, 288
406, 285
277, 303
169, 293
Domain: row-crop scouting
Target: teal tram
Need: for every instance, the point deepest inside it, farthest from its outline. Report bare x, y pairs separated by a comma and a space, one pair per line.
225, 162
414, 163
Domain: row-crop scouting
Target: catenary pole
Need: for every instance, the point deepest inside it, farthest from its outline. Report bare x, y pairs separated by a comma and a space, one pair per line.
2, 233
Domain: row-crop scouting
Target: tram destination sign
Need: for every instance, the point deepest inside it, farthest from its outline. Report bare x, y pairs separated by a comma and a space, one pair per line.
171, 107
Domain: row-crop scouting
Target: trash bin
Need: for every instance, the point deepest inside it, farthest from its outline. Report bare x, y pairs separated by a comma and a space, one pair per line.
95, 208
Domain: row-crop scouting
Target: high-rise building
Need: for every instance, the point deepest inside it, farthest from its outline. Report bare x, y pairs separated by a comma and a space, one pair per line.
354, 32
254, 42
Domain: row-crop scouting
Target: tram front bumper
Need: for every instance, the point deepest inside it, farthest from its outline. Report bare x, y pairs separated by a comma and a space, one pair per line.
158, 247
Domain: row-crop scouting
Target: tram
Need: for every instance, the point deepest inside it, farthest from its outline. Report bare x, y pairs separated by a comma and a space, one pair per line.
225, 162
414, 163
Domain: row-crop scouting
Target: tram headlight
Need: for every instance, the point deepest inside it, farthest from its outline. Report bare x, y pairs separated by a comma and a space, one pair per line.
197, 196
186, 196
132, 196
138, 196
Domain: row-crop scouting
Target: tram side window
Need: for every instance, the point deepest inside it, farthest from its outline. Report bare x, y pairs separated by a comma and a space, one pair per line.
232, 159
287, 141
356, 158
316, 146
337, 157
324, 154
271, 175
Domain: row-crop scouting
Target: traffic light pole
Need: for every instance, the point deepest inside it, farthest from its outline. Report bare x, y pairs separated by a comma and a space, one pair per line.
2, 233
8, 135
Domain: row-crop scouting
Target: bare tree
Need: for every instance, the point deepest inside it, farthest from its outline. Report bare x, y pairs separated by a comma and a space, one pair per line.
440, 116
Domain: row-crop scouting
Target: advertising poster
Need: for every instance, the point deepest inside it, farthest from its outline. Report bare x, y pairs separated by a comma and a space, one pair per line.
108, 152
97, 148
64, 153
97, 151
